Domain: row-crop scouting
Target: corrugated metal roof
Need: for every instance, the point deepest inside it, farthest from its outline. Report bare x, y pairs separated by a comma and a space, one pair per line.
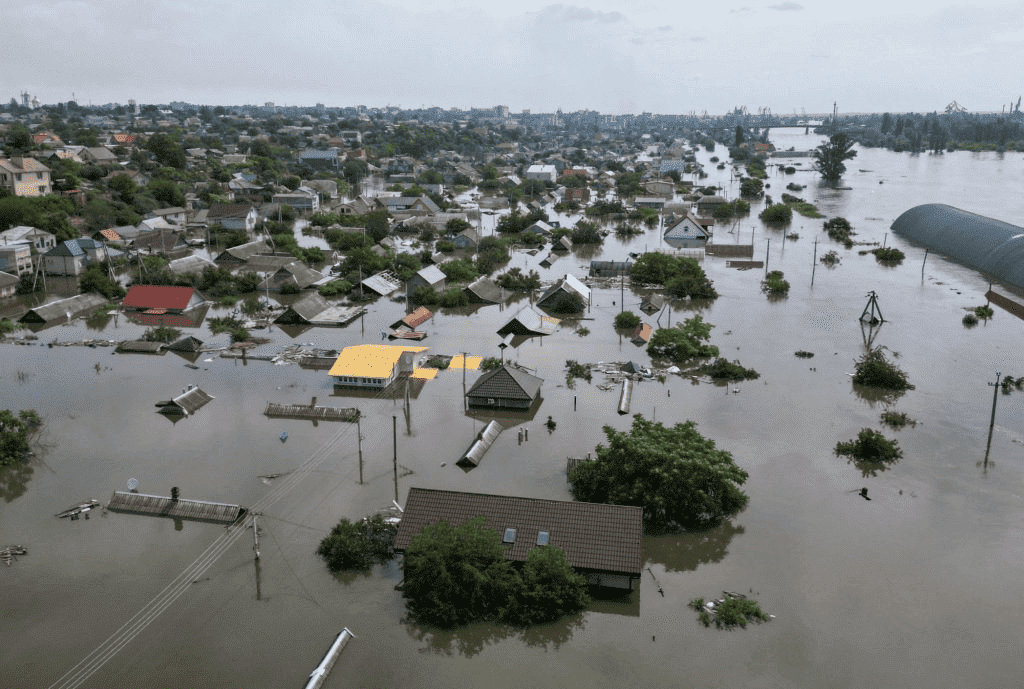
506, 382
598, 537
192, 400
528, 321
419, 316
57, 311
568, 284
383, 283
432, 274
475, 454
370, 361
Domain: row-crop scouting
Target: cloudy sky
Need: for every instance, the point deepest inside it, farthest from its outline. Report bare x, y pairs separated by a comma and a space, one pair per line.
610, 56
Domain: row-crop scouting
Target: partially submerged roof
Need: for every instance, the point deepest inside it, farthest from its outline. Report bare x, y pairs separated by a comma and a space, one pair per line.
411, 320
158, 297
687, 228
64, 309
189, 401
383, 283
506, 382
569, 285
432, 275
529, 321
593, 536
243, 252
982, 243
370, 361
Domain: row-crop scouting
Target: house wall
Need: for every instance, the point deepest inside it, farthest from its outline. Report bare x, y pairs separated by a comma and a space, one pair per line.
498, 402
26, 183
360, 382
7, 291
63, 265
16, 259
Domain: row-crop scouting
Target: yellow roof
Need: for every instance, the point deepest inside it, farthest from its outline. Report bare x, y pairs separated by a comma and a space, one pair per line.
424, 373
472, 362
370, 361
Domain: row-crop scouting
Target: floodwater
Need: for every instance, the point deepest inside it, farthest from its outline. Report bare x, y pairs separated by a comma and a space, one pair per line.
918, 587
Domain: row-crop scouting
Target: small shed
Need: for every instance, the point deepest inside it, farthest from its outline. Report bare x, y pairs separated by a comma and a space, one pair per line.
383, 283
413, 320
529, 322
484, 290
609, 269
431, 276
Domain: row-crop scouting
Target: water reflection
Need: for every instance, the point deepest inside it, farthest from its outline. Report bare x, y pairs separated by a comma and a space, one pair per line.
470, 640
875, 396
687, 551
14, 479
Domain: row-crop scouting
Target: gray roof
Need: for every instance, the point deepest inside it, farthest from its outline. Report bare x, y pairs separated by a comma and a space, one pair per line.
383, 283
506, 382
57, 311
982, 243
304, 309
6, 279
190, 265
432, 274
593, 536
243, 251
484, 289
529, 321
75, 247
303, 275
192, 400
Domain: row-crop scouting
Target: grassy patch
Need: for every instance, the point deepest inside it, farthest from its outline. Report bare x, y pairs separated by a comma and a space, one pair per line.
840, 230
576, 370
889, 256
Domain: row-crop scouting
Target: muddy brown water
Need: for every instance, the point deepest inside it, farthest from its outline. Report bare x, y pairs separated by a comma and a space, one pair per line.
918, 587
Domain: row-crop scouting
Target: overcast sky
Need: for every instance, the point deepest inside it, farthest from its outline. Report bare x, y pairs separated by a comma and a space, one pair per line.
614, 57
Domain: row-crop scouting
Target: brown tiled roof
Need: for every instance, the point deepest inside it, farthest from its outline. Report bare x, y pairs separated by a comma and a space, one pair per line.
507, 383
228, 210
606, 538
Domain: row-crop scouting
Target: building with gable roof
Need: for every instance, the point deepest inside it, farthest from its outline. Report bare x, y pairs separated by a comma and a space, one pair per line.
506, 387
25, 176
73, 256
163, 298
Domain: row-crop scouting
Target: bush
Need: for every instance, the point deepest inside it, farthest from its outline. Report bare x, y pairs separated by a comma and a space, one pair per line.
161, 333
565, 303
682, 277
726, 370
425, 296
840, 230
897, 419
453, 297
970, 320
774, 284
586, 233
445, 246
575, 370
870, 446
874, 370
7, 326
626, 320
358, 546
984, 312
490, 363
889, 256
335, 288
751, 188
459, 270
683, 343
831, 258
777, 214
516, 280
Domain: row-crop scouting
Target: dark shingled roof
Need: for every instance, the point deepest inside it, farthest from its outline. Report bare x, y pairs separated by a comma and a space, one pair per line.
507, 383
607, 538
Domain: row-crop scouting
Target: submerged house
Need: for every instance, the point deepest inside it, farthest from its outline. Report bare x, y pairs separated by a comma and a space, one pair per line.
431, 276
688, 233
529, 322
161, 299
372, 365
64, 310
604, 543
191, 400
506, 387
484, 290
569, 287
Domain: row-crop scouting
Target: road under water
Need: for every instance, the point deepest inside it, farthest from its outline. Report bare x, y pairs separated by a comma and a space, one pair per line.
917, 587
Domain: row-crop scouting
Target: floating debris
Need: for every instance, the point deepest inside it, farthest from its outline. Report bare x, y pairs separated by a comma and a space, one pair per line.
803, 354
284, 436
82, 508
9, 554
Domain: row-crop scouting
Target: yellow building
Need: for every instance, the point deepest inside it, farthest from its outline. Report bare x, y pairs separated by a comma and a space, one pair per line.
373, 366
25, 176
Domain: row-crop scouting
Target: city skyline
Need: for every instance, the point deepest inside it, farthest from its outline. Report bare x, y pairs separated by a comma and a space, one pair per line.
651, 57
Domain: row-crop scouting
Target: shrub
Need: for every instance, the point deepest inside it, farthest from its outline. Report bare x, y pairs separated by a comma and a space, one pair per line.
445, 246
778, 214
984, 312
576, 370
897, 419
516, 280
751, 188
358, 546
161, 333
452, 297
840, 230
626, 320
774, 284
425, 296
970, 320
683, 343
490, 363
874, 370
889, 256
459, 270
335, 288
870, 446
726, 370
566, 302
831, 258
586, 233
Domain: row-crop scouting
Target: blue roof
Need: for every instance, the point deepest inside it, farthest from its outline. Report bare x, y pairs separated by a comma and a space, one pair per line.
75, 247
319, 155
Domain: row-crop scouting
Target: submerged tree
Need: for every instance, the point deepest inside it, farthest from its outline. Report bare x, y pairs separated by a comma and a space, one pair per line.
677, 475
829, 157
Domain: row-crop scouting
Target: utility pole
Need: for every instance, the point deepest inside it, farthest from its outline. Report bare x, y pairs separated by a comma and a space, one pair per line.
814, 261
992, 420
359, 440
255, 536
465, 402
394, 444
767, 250
922, 264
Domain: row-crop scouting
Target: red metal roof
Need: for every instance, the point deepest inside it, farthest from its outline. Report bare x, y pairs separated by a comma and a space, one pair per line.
418, 317
158, 297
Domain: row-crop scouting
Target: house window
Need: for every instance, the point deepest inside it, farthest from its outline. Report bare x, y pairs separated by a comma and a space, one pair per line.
510, 536
39, 175
490, 400
18, 176
42, 189
543, 537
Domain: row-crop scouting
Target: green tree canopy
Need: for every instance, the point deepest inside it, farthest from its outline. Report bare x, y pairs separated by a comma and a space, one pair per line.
676, 474
830, 156
457, 575
167, 192
359, 545
682, 276
683, 343
167, 151
14, 434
